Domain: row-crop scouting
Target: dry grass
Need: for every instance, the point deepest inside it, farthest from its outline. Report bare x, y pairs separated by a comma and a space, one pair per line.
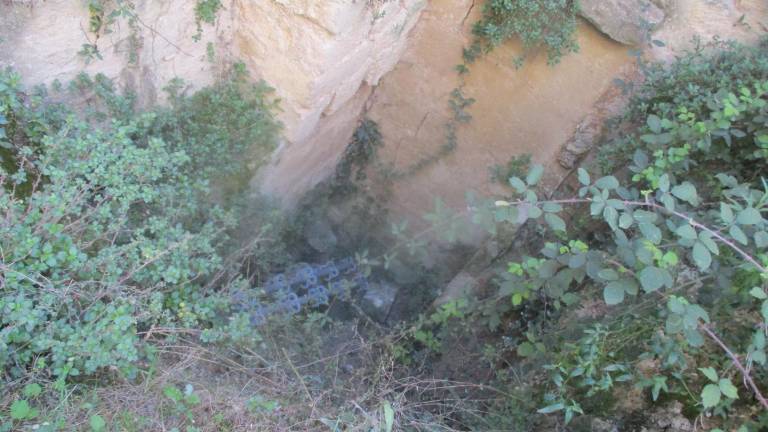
338, 378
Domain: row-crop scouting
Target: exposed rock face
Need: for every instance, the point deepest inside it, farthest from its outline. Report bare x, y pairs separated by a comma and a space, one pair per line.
324, 57
591, 129
742, 20
627, 21
41, 40
533, 109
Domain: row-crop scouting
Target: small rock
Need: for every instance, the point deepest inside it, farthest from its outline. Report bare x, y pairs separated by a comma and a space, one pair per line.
625, 21
592, 424
600, 425
378, 299
583, 139
671, 419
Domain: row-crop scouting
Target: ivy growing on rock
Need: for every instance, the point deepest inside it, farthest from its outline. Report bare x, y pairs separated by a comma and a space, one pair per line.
538, 24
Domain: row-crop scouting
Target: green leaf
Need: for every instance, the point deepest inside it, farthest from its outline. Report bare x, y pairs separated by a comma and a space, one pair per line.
687, 232
517, 299
654, 123
738, 235
669, 201
659, 384
761, 239
652, 278
764, 310
644, 216
583, 177
693, 337
676, 304
551, 207
97, 423
552, 408
20, 410
526, 349
613, 293
701, 256
596, 207
389, 417
710, 396
749, 216
710, 373
534, 212
706, 239
518, 184
611, 216
534, 175
726, 213
32, 390
173, 393
577, 260
728, 389
608, 274
664, 183
693, 314
555, 222
625, 220
758, 293
630, 286
669, 259
607, 182
651, 232
758, 339
686, 192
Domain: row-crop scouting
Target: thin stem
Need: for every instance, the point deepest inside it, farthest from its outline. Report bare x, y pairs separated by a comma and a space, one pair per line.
736, 362
654, 205
714, 234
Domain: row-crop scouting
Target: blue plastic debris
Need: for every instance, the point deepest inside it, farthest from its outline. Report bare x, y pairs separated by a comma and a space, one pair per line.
287, 293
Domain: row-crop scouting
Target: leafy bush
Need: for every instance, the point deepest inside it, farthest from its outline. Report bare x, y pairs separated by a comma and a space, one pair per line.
654, 275
107, 227
217, 126
679, 105
685, 229
705, 262
547, 24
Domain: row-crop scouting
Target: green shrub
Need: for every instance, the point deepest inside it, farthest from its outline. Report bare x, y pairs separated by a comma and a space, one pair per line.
656, 275
685, 97
546, 24
680, 251
228, 129
107, 227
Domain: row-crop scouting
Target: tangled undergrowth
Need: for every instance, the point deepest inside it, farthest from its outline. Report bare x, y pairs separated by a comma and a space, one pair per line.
126, 234
540, 25
650, 294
